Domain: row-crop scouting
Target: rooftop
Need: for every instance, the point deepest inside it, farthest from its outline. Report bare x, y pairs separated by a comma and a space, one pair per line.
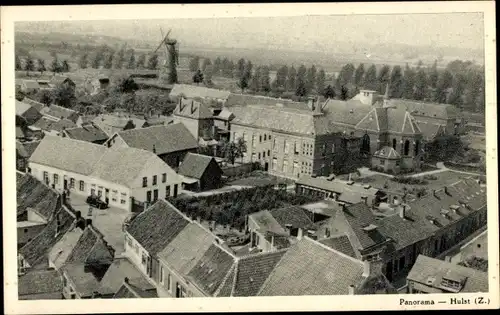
62, 249
120, 269
192, 109
194, 165
192, 91
40, 282
48, 124
432, 272
87, 133
34, 195
165, 138
60, 112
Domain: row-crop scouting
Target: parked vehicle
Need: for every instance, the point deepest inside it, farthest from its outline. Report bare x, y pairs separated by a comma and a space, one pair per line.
95, 201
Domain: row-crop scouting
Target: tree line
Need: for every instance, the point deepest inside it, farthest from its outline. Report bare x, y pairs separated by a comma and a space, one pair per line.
109, 58
461, 83
32, 64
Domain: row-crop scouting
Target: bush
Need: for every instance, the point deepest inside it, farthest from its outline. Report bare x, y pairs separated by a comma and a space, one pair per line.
409, 180
430, 177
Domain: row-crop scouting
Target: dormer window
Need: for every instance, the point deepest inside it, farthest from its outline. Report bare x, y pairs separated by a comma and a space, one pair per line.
452, 281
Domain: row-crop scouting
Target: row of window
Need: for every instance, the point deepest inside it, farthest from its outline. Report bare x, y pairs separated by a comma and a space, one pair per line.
81, 187
155, 180
285, 166
180, 290
405, 148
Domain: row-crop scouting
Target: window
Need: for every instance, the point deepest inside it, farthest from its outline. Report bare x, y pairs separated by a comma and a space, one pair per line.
407, 147
181, 291
275, 147
169, 283
260, 138
275, 164
82, 185
162, 275
295, 148
394, 144
264, 154
144, 260
164, 177
176, 187
269, 137
144, 182
259, 156
286, 146
71, 183
155, 178
295, 167
268, 152
167, 191
56, 179
285, 166
417, 147
155, 194
254, 140
99, 193
265, 137
148, 196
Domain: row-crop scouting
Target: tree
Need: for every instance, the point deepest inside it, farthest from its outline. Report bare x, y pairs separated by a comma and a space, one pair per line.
256, 80
370, 80
346, 75
55, 66
229, 151
300, 88
291, 81
83, 62
153, 62
241, 148
444, 82
194, 64
18, 63
329, 92
433, 75
217, 66
64, 96
41, 65
206, 62
396, 82
29, 66
207, 75
131, 62
65, 66
320, 81
457, 91
45, 97
141, 61
108, 61
421, 89
120, 59
408, 82
198, 77
474, 262
96, 62
359, 74
127, 85
265, 80
383, 78
475, 83
310, 79
240, 66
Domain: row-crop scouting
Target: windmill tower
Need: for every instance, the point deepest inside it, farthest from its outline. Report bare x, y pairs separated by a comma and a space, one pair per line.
168, 71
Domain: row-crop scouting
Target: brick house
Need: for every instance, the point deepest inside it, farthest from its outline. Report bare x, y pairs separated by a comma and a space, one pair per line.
200, 172
170, 143
196, 116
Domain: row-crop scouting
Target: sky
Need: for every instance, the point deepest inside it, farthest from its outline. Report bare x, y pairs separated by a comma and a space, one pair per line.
457, 30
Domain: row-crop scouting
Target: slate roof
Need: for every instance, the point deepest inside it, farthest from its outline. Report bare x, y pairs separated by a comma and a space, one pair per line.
235, 99
166, 139
431, 272
40, 282
117, 121
387, 153
86, 133
294, 215
20, 133
340, 243
349, 112
358, 217
310, 268
36, 251
251, 272
30, 147
212, 268
194, 165
131, 163
31, 84
187, 248
68, 154
430, 130
90, 249
49, 125
426, 109
225, 114
120, 269
22, 107
60, 112
192, 109
156, 227
56, 80
283, 119
92, 159
37, 105
192, 91
35, 195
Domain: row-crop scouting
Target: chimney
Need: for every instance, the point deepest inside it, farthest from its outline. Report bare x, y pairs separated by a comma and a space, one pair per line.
125, 280
88, 222
198, 219
154, 148
300, 232
364, 199
372, 267
351, 289
272, 242
402, 211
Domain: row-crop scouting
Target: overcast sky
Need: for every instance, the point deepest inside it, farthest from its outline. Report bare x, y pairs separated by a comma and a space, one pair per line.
460, 30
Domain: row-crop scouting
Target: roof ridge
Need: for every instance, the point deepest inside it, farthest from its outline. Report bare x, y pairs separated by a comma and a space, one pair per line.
269, 274
333, 250
251, 255
235, 278
224, 280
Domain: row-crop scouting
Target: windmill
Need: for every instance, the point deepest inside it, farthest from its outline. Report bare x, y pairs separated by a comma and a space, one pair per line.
168, 73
